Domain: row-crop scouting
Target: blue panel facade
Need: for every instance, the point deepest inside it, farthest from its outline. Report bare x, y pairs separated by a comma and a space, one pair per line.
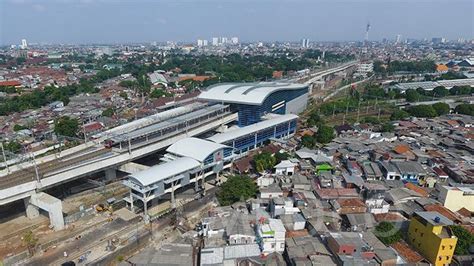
250, 141
274, 103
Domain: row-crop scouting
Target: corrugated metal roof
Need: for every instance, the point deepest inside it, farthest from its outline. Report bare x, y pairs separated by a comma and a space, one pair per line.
246, 93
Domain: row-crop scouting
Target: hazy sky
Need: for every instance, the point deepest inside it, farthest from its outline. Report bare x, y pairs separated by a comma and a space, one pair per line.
115, 21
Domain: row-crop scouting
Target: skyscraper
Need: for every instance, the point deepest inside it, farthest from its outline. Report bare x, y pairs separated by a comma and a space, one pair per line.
215, 41
24, 44
305, 43
235, 40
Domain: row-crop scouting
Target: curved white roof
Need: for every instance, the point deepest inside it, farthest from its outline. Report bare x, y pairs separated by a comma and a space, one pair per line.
246, 93
165, 170
195, 148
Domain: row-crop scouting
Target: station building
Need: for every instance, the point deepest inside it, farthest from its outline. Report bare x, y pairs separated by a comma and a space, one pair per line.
188, 161
252, 101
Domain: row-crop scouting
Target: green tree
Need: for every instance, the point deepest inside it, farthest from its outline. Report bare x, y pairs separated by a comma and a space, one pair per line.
440, 91
308, 141
387, 233
13, 146
123, 95
109, 112
423, 110
399, 115
441, 108
66, 126
18, 127
465, 109
387, 127
158, 93
315, 119
30, 241
236, 188
325, 134
264, 161
412, 95
461, 90
465, 239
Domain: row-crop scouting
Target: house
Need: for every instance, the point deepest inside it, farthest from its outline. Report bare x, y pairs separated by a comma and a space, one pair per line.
229, 255
350, 249
240, 229
374, 195
408, 171
456, 198
346, 206
371, 171
285, 167
359, 222
281, 206
271, 191
301, 182
429, 234
308, 250
56, 105
293, 222
271, 235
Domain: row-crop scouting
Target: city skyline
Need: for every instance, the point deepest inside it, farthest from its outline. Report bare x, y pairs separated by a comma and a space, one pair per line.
64, 21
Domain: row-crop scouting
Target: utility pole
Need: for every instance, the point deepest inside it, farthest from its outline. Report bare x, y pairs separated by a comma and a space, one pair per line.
4, 157
358, 111
36, 167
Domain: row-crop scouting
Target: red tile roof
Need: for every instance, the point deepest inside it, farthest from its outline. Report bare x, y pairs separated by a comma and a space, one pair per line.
10, 83
443, 211
410, 255
417, 189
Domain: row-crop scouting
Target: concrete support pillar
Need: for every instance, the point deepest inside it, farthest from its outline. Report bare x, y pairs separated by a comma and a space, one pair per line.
131, 201
110, 174
145, 209
31, 210
173, 201
50, 204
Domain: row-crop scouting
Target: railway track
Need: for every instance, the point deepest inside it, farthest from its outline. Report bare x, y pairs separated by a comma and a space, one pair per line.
29, 174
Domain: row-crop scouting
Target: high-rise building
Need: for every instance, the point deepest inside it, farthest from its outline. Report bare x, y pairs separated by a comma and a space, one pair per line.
204, 42
235, 40
224, 40
24, 44
215, 41
305, 43
438, 40
200, 43
399, 38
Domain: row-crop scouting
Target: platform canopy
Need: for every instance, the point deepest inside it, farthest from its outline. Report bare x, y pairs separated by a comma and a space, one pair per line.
198, 149
163, 171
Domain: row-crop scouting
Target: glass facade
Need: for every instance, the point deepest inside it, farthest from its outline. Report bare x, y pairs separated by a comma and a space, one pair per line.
274, 103
256, 139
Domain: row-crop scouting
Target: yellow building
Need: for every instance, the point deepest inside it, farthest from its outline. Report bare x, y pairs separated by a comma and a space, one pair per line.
429, 234
456, 198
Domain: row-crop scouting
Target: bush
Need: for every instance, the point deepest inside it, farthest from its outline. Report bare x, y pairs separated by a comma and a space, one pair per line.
387, 233
465, 239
